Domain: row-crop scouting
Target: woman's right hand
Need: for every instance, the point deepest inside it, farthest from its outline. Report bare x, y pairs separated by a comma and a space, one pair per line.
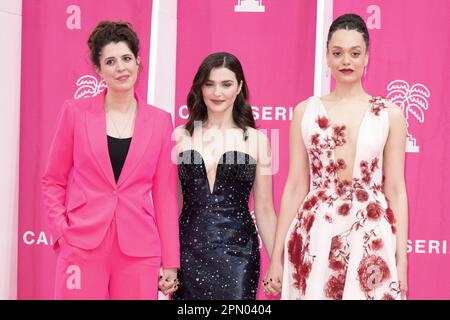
273, 280
168, 281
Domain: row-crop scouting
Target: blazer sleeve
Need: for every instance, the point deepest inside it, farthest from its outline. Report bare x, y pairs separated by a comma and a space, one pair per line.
58, 167
165, 198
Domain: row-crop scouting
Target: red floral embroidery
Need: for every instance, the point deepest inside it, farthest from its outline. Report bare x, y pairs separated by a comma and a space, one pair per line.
372, 272
374, 211
308, 222
394, 291
364, 166
333, 167
390, 215
341, 165
337, 261
295, 249
339, 135
315, 139
388, 296
316, 166
362, 195
378, 104
323, 122
374, 165
394, 229
301, 275
377, 244
322, 195
334, 288
310, 203
365, 172
336, 243
298, 250
344, 209
336, 265
342, 187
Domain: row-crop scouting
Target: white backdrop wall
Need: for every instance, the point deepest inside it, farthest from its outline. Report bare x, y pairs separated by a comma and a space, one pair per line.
163, 52
10, 37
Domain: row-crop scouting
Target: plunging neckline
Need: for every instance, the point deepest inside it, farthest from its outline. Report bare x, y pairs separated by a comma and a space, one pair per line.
332, 125
211, 192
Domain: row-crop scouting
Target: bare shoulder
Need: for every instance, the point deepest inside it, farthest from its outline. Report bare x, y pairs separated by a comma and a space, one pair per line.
301, 106
256, 134
257, 145
182, 138
258, 142
299, 110
395, 113
257, 137
181, 131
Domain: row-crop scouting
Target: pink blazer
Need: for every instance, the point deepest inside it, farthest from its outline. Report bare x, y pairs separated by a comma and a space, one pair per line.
81, 196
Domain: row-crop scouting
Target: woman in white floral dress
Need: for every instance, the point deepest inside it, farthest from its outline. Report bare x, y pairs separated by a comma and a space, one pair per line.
342, 229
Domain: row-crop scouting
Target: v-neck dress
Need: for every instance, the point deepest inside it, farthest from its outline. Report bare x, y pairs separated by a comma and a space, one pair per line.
219, 245
342, 242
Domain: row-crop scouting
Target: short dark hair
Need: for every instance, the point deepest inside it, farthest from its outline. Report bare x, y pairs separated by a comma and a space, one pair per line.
242, 111
111, 31
349, 21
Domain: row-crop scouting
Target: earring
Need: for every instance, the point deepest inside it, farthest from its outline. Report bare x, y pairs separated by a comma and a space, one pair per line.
365, 71
328, 72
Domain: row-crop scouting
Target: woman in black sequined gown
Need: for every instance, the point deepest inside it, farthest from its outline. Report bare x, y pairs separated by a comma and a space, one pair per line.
219, 243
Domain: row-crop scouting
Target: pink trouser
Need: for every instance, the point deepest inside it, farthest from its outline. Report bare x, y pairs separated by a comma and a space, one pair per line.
105, 272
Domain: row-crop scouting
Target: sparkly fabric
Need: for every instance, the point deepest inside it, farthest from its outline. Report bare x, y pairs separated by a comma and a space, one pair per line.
218, 239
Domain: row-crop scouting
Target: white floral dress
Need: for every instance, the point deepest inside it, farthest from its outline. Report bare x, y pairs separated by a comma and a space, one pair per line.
341, 244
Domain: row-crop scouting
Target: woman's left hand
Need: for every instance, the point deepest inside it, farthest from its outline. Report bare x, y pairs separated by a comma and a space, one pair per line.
273, 280
168, 281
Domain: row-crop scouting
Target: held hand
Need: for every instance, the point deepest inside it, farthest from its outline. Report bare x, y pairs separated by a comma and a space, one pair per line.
273, 280
168, 282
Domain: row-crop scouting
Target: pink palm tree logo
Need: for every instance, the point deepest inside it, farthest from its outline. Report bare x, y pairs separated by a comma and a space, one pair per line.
413, 101
89, 86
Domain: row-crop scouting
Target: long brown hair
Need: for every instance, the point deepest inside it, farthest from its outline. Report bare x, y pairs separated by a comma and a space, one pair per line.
242, 111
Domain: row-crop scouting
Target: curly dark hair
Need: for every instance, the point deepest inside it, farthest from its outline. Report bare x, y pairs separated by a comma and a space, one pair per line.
349, 21
111, 31
242, 111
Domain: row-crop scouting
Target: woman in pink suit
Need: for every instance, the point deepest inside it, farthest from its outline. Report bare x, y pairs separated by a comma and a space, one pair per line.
108, 153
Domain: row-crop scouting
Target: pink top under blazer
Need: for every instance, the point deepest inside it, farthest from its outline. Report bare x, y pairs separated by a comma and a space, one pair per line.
80, 193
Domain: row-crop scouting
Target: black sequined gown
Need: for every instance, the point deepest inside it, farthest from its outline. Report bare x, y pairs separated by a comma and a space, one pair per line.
218, 238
